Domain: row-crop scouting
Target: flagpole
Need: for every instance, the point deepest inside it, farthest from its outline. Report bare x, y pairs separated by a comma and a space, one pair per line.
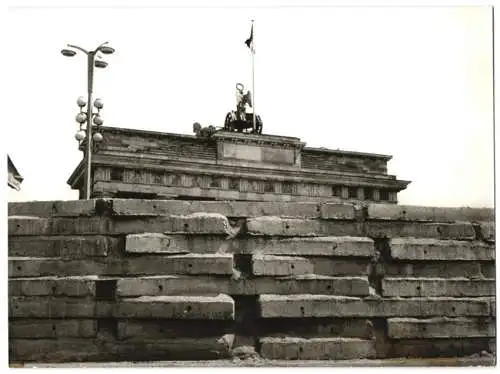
253, 80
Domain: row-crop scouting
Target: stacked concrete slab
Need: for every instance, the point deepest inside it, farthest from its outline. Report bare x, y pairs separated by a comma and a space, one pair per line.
112, 279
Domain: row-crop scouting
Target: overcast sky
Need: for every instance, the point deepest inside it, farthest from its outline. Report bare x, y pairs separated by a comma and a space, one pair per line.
415, 83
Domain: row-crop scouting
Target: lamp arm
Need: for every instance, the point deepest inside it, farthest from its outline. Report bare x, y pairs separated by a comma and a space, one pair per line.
79, 48
99, 48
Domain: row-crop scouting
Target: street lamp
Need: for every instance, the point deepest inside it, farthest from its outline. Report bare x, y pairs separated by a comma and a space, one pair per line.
88, 117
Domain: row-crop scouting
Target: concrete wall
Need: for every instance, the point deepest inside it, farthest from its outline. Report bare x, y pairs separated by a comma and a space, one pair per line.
110, 280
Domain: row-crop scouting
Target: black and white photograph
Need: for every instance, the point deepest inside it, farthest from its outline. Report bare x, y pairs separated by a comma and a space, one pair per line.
249, 184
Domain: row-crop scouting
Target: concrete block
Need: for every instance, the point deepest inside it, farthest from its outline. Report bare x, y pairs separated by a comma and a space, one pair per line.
53, 208
53, 286
434, 269
155, 243
331, 246
317, 327
440, 327
340, 267
172, 285
439, 348
444, 231
341, 228
163, 328
208, 285
210, 263
338, 211
280, 265
80, 226
245, 209
456, 287
292, 348
56, 350
308, 284
440, 250
429, 214
296, 306
43, 307
20, 225
176, 307
196, 223
76, 350
276, 226
72, 247
487, 230
52, 328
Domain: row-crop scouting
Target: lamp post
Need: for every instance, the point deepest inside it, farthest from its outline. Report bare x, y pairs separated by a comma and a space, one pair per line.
89, 117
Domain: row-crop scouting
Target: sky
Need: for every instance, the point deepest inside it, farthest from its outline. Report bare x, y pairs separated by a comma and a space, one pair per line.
411, 82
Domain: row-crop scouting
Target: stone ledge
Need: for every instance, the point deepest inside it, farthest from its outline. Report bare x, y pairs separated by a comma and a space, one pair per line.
220, 307
193, 263
242, 209
271, 265
453, 287
428, 214
441, 250
440, 327
295, 306
316, 348
204, 285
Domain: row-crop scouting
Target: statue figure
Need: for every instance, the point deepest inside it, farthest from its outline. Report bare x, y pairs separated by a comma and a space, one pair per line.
203, 132
240, 120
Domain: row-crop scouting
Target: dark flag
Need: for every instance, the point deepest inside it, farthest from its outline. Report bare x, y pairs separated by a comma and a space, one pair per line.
249, 41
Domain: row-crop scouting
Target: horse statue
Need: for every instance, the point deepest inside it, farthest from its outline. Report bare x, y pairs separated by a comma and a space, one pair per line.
240, 120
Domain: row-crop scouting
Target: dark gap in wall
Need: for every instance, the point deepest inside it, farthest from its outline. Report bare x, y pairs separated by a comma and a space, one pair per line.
377, 266
104, 207
243, 263
246, 320
105, 289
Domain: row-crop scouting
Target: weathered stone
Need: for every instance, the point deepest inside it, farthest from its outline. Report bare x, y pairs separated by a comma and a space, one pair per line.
337, 211
457, 287
292, 348
164, 328
196, 223
424, 213
433, 269
135, 207
335, 246
340, 267
20, 225
280, 265
52, 328
178, 285
53, 286
487, 230
441, 250
282, 226
419, 348
445, 231
43, 307
155, 243
290, 306
210, 263
176, 307
80, 226
55, 350
53, 208
74, 350
70, 247
317, 327
440, 327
